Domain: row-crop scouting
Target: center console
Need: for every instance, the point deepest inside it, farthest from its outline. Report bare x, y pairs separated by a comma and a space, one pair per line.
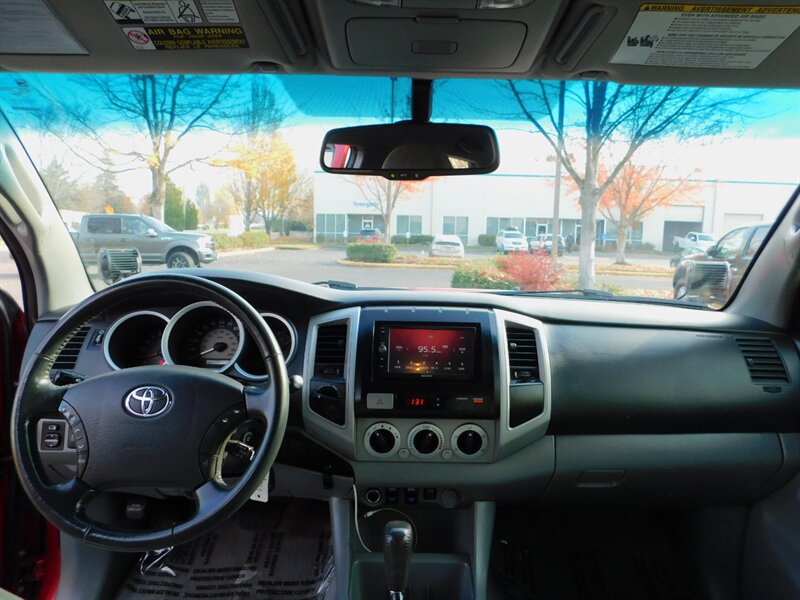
421, 384
436, 409
425, 385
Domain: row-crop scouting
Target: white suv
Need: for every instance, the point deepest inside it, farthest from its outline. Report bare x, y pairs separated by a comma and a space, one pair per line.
511, 240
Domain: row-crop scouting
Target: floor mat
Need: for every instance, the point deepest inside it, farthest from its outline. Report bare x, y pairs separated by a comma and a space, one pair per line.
602, 556
277, 550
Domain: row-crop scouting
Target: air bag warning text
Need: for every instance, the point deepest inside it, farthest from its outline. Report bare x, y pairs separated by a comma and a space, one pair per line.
186, 38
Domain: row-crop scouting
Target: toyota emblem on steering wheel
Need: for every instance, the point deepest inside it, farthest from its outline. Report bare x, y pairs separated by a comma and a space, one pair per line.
148, 401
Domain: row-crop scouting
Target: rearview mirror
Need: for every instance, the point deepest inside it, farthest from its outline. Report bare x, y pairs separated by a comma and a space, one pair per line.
410, 150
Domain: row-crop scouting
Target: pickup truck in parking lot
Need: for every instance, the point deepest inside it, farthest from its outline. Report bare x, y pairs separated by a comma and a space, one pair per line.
711, 275
693, 239
157, 242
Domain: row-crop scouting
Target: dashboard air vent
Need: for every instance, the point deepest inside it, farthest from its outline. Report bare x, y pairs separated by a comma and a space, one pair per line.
331, 350
523, 357
763, 361
68, 357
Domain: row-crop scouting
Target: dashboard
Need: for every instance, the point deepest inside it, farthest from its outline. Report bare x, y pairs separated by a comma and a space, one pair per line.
470, 395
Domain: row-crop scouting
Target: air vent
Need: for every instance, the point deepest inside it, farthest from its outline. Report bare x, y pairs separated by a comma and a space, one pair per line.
330, 351
763, 361
523, 358
68, 357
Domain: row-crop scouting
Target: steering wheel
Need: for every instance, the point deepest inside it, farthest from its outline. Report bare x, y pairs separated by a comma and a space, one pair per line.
154, 428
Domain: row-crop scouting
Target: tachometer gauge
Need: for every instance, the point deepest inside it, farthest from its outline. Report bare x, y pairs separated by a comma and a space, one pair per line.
135, 340
203, 335
251, 364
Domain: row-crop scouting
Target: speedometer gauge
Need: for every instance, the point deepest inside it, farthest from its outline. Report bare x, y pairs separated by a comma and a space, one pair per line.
203, 335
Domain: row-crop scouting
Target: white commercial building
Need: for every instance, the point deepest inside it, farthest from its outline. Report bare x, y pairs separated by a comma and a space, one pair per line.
469, 206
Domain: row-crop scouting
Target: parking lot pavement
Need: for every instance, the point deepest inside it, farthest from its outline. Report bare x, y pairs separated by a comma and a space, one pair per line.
321, 265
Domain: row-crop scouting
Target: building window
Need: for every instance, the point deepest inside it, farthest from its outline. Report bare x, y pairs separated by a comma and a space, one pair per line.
456, 226
537, 226
495, 224
409, 224
634, 232
331, 227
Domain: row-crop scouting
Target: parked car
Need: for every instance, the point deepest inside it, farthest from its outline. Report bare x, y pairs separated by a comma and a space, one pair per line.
693, 239
157, 242
370, 235
447, 245
713, 274
510, 240
544, 241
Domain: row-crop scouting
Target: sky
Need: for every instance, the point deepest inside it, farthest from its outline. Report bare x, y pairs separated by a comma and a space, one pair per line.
765, 147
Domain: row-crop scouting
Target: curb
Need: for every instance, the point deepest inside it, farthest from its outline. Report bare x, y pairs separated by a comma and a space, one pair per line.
354, 263
243, 252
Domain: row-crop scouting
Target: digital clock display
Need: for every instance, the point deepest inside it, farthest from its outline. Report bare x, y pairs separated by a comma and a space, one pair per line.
429, 352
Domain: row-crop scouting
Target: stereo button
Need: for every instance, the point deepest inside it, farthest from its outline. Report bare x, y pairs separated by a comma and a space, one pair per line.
380, 401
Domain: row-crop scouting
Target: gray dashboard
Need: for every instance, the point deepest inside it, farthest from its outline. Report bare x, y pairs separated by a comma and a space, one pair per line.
642, 403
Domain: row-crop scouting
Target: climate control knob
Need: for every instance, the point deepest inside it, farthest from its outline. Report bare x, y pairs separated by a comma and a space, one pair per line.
425, 440
469, 441
382, 439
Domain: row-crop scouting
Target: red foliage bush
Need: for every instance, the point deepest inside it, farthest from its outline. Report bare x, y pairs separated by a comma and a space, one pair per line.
535, 272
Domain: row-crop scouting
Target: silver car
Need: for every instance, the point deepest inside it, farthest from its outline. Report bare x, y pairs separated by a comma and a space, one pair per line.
447, 245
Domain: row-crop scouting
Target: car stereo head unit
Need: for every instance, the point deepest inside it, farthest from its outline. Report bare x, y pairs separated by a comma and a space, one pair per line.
426, 362
426, 352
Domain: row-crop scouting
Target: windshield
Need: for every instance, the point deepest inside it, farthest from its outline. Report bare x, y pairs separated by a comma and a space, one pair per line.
621, 179
157, 225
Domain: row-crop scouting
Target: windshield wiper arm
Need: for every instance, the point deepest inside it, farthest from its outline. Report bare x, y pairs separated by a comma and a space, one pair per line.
337, 285
586, 292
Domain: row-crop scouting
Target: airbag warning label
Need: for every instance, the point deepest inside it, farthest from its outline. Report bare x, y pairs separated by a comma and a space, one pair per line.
186, 38
701, 36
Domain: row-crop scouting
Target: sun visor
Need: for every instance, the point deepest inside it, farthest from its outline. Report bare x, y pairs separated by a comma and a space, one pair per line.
435, 43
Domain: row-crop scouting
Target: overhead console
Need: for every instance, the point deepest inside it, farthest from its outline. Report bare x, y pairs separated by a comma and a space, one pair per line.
448, 36
425, 384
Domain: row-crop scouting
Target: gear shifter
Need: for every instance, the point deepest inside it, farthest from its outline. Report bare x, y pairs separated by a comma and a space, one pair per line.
398, 544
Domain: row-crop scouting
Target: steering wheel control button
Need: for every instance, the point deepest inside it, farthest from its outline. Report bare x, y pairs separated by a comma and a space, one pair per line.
425, 440
469, 441
382, 440
51, 441
52, 434
380, 401
148, 401
69, 412
83, 458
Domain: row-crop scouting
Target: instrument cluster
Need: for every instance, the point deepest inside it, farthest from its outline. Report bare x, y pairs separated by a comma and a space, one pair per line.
201, 335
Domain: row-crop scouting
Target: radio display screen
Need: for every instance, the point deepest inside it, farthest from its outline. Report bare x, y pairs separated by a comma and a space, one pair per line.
432, 352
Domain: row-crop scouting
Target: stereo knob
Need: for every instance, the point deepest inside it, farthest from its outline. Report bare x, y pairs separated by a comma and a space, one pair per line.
469, 441
382, 440
425, 440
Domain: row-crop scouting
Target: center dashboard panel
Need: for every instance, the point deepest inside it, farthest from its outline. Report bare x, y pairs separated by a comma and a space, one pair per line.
425, 384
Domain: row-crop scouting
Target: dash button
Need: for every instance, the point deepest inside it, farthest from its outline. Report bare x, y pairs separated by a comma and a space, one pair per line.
380, 401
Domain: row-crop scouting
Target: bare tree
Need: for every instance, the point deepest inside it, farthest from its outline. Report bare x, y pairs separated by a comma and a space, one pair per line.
382, 195
167, 108
611, 122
